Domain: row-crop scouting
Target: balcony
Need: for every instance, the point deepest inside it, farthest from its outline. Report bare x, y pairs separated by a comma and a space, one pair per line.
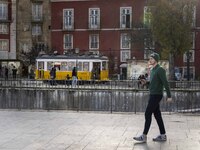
40, 1
37, 19
94, 27
5, 20
68, 28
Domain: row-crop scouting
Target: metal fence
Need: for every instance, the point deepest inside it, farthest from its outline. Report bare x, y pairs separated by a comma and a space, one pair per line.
118, 96
111, 84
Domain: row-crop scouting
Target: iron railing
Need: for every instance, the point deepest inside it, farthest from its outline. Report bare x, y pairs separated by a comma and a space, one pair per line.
119, 96
111, 84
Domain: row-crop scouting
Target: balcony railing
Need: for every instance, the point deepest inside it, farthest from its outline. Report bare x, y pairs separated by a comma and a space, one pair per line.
37, 19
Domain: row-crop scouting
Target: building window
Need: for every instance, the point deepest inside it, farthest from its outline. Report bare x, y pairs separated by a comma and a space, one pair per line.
36, 30
191, 52
194, 17
147, 53
149, 43
193, 40
3, 11
125, 41
125, 54
147, 16
149, 47
37, 11
191, 56
4, 45
94, 18
24, 47
68, 41
125, 17
94, 41
68, 18
3, 29
192, 73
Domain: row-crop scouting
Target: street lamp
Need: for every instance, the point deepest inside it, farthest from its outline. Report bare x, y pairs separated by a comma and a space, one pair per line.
189, 54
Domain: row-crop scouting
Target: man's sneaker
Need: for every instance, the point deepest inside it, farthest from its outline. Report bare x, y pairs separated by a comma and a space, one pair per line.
160, 138
142, 138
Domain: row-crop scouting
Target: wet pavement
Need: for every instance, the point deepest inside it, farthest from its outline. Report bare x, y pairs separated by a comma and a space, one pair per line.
68, 130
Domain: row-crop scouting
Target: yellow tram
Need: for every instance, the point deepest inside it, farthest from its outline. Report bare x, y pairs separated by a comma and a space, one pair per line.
89, 67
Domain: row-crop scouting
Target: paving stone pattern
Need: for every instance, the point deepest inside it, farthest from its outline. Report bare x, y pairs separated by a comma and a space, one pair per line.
67, 130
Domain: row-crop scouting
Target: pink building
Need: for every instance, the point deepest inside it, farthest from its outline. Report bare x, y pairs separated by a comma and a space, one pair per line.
8, 30
8, 54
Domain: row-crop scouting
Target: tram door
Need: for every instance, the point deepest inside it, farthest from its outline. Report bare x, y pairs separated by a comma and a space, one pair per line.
96, 70
40, 70
124, 74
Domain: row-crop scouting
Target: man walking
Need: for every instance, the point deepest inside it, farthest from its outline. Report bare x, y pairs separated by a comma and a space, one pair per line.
158, 81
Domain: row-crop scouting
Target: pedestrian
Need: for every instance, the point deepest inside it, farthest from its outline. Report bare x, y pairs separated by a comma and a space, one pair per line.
74, 77
158, 81
53, 75
14, 72
141, 81
31, 75
6, 72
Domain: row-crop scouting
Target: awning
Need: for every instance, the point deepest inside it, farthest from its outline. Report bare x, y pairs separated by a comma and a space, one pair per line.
123, 65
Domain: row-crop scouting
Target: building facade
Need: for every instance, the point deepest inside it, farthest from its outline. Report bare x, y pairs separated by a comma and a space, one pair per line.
108, 27
24, 28
8, 52
191, 58
100, 26
8, 29
33, 26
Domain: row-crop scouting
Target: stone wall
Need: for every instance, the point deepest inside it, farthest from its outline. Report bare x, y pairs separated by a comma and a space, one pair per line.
92, 100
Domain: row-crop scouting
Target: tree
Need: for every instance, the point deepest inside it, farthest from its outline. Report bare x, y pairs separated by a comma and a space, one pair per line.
141, 38
29, 57
171, 25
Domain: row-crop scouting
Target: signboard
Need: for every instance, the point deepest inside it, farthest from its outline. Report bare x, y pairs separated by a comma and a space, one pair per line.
135, 68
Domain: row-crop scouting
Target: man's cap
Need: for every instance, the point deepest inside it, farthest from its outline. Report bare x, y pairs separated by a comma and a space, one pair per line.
155, 56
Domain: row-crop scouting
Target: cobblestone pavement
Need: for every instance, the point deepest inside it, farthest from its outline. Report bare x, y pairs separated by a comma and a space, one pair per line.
67, 130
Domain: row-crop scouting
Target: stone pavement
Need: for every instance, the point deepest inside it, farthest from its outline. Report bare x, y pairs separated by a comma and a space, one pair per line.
67, 130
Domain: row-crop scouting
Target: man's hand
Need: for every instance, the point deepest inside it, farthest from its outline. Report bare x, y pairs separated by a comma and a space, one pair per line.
169, 100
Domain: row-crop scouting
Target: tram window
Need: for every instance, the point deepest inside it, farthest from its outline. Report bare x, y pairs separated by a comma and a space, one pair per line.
85, 66
80, 66
57, 65
71, 65
40, 65
63, 66
49, 65
104, 65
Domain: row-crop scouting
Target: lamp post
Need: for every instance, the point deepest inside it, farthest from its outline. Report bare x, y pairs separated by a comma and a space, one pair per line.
188, 64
